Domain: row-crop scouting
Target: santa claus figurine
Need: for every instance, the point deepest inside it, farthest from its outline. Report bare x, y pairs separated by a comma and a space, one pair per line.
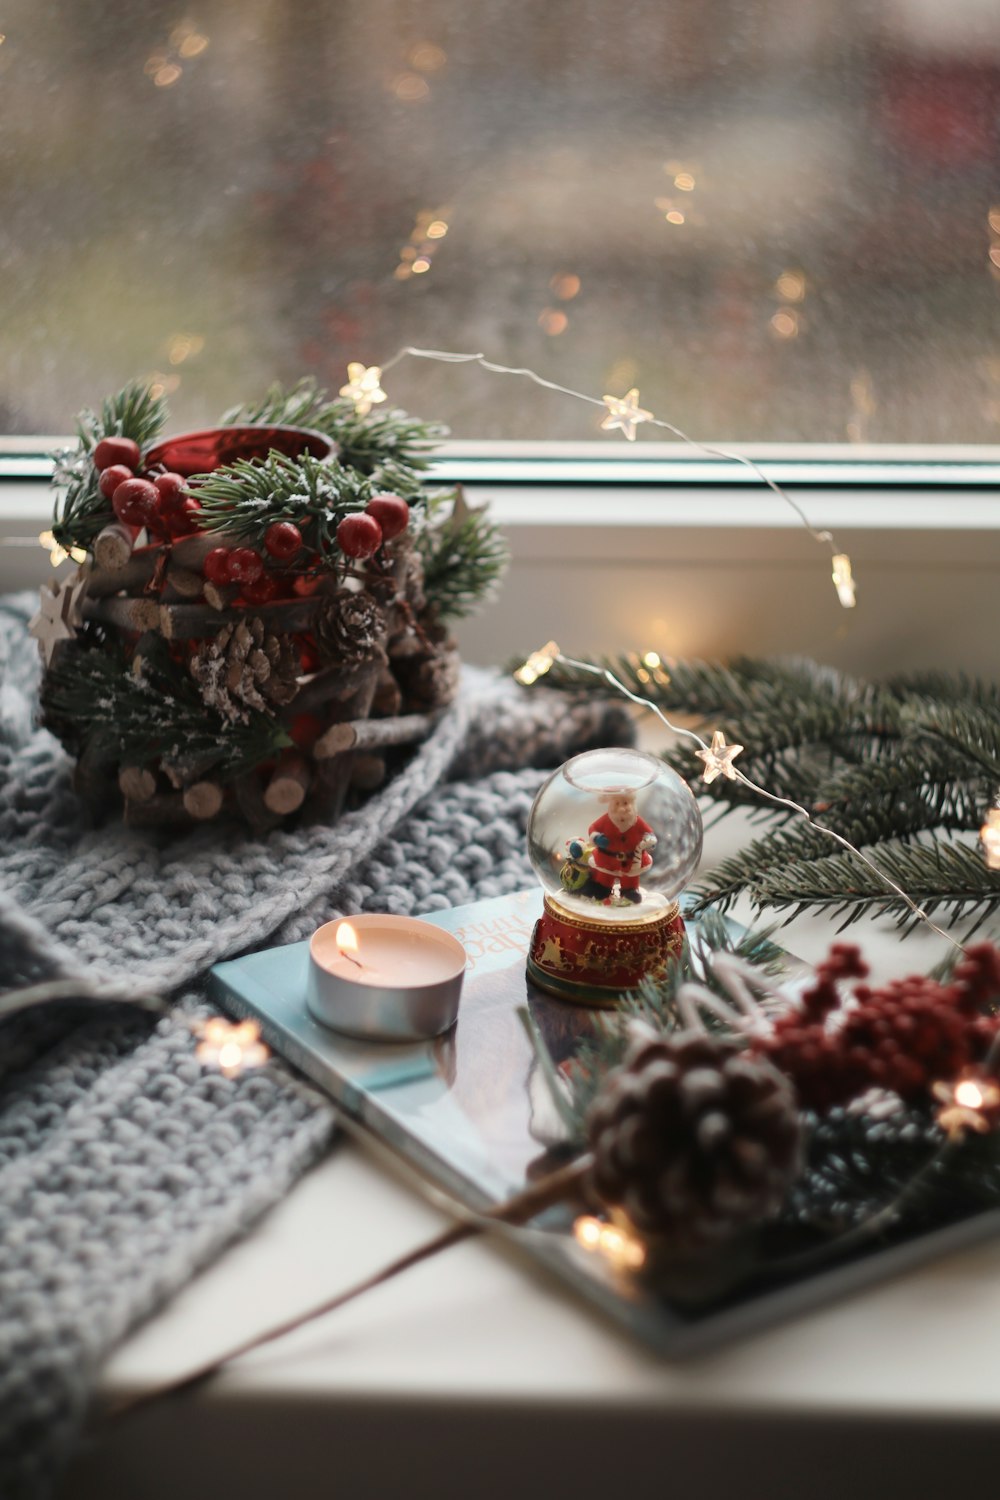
621, 843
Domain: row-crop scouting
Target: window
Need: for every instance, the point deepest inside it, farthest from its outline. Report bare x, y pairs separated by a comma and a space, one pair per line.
779, 218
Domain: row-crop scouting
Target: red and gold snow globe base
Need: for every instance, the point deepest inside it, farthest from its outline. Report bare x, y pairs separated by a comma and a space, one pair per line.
595, 962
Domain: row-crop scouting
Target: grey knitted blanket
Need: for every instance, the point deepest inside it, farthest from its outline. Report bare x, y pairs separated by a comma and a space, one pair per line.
124, 1166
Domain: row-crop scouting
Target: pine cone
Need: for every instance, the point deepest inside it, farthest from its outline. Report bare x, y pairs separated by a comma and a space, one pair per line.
244, 667
350, 628
693, 1140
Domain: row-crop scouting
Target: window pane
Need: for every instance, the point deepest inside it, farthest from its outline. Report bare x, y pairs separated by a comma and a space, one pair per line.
779, 218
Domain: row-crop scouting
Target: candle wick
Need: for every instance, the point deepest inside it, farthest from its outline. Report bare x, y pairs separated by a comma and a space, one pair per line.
350, 958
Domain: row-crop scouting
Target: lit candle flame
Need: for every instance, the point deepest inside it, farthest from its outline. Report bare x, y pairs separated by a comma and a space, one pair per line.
347, 943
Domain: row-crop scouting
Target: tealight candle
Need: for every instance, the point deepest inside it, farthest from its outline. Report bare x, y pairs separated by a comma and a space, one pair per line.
385, 978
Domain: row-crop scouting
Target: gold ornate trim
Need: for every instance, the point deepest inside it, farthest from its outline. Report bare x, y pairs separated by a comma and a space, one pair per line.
650, 920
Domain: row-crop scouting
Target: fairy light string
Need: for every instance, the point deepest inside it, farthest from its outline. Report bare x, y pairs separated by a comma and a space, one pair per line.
625, 414
718, 759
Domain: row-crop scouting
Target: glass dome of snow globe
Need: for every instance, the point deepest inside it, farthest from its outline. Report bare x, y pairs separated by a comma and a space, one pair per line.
614, 836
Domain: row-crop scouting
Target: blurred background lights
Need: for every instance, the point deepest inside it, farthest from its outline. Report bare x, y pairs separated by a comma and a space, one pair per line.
181, 346
785, 324
791, 285
565, 285
193, 45
410, 88
161, 384
426, 57
552, 321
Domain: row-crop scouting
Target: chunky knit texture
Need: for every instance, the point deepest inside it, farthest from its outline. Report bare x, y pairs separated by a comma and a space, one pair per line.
124, 1166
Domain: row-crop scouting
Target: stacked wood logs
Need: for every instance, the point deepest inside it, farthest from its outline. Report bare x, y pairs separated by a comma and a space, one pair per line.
346, 718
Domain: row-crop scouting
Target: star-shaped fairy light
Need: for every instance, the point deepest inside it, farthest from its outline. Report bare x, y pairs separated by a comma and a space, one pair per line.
231, 1047
60, 613
968, 1103
364, 387
538, 663
989, 838
624, 1250
624, 414
57, 553
719, 759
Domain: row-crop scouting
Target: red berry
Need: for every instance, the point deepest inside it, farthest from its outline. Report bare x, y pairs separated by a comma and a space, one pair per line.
391, 512
262, 590
359, 536
216, 565
116, 450
112, 478
283, 539
171, 487
245, 565
134, 502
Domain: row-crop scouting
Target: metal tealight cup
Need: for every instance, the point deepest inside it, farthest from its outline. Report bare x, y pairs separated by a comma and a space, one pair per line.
404, 986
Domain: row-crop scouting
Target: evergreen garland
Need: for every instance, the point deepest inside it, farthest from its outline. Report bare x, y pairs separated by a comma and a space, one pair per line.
904, 769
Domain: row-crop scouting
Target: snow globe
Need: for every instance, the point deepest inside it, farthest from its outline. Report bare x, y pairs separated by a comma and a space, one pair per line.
613, 836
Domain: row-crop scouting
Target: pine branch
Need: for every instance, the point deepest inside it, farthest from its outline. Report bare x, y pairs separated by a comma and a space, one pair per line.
947, 687
970, 732
939, 875
919, 788
92, 698
463, 564
83, 512
783, 849
389, 440
245, 498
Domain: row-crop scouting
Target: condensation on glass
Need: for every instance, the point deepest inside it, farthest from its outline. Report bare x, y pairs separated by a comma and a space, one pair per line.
779, 218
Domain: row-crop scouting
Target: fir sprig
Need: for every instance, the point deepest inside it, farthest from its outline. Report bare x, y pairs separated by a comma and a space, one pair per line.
463, 563
386, 441
93, 699
942, 875
83, 512
245, 498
